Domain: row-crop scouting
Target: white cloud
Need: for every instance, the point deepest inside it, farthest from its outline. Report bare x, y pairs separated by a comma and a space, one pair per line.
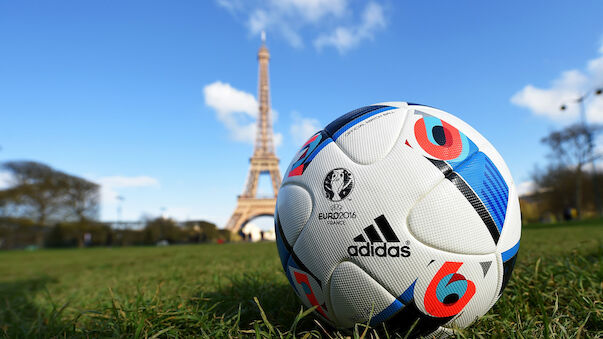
278, 139
526, 187
565, 89
122, 181
258, 21
5, 180
237, 110
230, 5
594, 110
225, 99
345, 38
312, 10
111, 185
303, 128
289, 18
234, 109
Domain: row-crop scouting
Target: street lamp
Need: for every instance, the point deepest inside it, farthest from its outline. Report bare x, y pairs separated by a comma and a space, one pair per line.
120, 200
589, 136
580, 100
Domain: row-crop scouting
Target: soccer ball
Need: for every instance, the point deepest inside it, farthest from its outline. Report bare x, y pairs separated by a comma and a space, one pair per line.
398, 214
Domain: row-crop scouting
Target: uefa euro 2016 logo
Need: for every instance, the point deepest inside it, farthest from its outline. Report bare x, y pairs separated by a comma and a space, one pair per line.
338, 184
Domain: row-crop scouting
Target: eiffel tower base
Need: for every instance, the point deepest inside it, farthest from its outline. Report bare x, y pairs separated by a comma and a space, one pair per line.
249, 208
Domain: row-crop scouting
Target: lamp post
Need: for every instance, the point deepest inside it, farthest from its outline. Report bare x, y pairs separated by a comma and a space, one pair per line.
589, 136
120, 200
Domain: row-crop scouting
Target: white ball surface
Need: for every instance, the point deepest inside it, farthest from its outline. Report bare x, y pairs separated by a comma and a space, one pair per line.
398, 212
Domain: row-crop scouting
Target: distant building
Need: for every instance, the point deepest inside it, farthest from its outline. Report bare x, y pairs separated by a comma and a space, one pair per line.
253, 233
270, 235
126, 225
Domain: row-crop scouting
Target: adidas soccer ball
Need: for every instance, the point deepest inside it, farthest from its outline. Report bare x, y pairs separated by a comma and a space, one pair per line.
398, 214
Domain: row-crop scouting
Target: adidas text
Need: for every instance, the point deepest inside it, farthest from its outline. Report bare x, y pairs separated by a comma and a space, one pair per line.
379, 250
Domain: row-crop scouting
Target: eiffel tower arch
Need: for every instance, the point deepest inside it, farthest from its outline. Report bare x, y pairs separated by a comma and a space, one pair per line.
263, 161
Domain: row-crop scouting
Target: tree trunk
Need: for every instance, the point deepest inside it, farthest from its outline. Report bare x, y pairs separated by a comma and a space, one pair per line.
579, 191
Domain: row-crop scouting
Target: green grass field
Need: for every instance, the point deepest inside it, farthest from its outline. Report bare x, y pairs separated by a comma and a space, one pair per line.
210, 290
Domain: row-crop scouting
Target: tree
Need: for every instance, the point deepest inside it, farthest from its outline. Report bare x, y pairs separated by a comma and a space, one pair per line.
163, 229
82, 199
202, 231
570, 149
43, 194
35, 190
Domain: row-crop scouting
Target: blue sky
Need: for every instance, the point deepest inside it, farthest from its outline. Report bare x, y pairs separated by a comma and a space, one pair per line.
154, 99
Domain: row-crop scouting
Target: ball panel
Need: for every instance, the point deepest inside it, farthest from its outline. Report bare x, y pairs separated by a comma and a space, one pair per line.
358, 298
508, 245
511, 232
308, 288
412, 323
444, 219
294, 206
460, 287
508, 266
473, 135
344, 122
305, 155
373, 137
283, 247
442, 333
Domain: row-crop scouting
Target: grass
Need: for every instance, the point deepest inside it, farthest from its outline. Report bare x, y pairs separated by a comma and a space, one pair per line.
239, 290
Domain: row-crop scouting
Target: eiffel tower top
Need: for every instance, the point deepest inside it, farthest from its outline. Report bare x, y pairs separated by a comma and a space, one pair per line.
264, 142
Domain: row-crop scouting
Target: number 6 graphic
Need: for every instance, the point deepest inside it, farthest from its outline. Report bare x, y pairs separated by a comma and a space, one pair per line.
448, 292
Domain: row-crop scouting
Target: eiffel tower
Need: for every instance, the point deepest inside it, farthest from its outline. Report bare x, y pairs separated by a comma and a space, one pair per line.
263, 160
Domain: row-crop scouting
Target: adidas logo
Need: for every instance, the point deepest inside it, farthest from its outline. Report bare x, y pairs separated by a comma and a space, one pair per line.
375, 246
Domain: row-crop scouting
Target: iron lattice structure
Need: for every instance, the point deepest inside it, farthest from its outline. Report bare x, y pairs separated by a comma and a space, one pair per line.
264, 159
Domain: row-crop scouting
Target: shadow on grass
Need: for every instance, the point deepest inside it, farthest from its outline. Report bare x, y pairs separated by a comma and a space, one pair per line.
277, 299
19, 314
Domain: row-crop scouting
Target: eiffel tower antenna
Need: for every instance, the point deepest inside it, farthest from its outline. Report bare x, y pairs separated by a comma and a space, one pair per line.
263, 160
